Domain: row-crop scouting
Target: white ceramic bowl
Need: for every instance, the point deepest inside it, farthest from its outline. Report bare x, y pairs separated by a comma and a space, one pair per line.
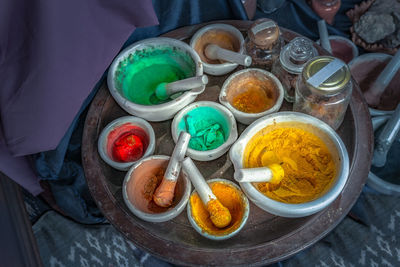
145, 167
346, 42
160, 112
114, 125
223, 68
226, 120
320, 129
246, 207
244, 117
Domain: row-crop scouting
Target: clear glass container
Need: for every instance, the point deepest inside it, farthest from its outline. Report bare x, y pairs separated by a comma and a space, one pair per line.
292, 59
324, 90
263, 43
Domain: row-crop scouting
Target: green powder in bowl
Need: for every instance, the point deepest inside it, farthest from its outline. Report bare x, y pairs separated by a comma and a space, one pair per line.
137, 76
207, 126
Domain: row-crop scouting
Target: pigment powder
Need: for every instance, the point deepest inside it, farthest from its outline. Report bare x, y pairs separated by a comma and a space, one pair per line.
143, 183
342, 50
366, 72
251, 94
207, 127
127, 143
230, 197
138, 75
308, 165
221, 38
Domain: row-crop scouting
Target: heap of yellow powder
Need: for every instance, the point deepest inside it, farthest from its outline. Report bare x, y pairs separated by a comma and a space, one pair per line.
307, 163
230, 197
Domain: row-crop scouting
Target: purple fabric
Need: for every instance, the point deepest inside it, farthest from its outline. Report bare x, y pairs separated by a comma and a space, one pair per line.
52, 53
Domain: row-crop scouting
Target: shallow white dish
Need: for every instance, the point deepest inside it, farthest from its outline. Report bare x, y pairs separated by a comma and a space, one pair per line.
103, 139
320, 129
226, 117
160, 112
243, 117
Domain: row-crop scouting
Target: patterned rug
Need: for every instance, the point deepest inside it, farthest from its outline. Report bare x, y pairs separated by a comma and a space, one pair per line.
369, 236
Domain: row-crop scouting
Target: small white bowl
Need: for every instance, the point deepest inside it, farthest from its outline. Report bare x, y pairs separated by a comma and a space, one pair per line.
225, 119
113, 126
320, 129
164, 111
223, 68
146, 167
226, 94
345, 41
246, 207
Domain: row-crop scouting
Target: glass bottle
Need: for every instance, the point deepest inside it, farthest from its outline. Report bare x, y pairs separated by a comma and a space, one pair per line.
263, 43
324, 90
292, 59
326, 9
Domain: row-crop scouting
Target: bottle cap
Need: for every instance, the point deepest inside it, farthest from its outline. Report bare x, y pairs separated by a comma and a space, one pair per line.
264, 32
295, 54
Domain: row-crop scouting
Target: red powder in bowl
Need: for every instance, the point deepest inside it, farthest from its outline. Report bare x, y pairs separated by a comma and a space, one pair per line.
342, 50
127, 143
367, 71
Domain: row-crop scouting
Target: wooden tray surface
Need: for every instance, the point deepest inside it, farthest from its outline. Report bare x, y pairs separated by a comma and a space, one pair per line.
265, 238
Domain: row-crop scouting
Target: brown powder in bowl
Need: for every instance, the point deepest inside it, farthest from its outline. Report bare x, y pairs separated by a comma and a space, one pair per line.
366, 72
143, 182
221, 38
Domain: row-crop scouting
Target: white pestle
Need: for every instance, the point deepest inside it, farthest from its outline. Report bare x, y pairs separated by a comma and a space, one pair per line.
213, 51
262, 174
323, 36
377, 112
165, 90
386, 138
164, 194
219, 214
272, 173
198, 181
373, 94
378, 121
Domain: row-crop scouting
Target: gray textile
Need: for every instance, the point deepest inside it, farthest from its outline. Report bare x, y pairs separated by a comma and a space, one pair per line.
374, 240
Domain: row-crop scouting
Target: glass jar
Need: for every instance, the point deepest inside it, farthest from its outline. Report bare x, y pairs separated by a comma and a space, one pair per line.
324, 90
292, 59
263, 43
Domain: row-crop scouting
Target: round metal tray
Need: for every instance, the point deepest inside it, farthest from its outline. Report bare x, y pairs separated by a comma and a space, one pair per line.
265, 238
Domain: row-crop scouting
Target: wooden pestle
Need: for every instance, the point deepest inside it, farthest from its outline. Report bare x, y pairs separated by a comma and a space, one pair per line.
213, 51
272, 173
164, 194
219, 214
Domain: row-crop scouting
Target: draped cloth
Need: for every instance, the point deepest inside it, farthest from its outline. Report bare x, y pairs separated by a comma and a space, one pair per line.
52, 53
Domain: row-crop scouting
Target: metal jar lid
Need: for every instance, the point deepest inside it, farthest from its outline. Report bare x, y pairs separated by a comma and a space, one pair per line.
264, 32
296, 53
326, 74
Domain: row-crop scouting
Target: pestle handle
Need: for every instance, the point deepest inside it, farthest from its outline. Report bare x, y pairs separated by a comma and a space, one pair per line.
262, 174
386, 138
213, 51
373, 94
164, 194
323, 36
186, 84
197, 180
174, 165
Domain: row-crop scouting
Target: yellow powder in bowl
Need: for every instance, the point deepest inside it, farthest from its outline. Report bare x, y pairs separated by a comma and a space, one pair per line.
230, 197
308, 164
